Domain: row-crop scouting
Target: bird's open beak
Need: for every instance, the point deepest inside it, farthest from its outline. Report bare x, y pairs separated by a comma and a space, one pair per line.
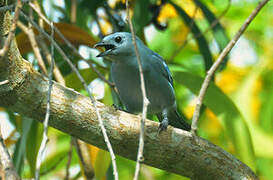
108, 48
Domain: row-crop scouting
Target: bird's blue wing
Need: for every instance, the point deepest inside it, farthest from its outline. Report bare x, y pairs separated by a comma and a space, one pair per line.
162, 67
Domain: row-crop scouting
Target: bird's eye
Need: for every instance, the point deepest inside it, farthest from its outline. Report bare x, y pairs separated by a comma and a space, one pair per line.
118, 39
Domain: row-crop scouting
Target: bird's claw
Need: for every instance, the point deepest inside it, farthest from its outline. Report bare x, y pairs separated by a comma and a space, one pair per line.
116, 107
163, 126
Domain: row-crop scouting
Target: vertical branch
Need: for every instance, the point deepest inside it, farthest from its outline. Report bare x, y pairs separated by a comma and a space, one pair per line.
73, 16
85, 158
67, 174
12, 29
106, 138
140, 157
42, 148
31, 36
70, 45
56, 71
7, 170
216, 64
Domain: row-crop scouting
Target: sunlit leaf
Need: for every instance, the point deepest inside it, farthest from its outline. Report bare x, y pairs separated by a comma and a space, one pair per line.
218, 31
266, 113
263, 142
73, 81
226, 111
200, 39
100, 160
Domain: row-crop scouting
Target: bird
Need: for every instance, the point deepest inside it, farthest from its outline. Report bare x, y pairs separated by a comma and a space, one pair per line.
119, 48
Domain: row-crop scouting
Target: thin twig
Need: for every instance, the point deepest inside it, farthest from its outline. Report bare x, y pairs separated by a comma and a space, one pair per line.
6, 166
12, 29
34, 45
11, 6
4, 82
85, 158
42, 148
67, 174
86, 163
73, 16
215, 65
213, 24
37, 5
106, 139
140, 157
7, 7
71, 46
56, 71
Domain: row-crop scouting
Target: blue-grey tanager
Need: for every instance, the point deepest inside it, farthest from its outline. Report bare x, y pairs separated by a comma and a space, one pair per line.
158, 80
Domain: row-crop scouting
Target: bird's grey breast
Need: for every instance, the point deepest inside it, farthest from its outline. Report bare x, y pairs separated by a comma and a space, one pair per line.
126, 78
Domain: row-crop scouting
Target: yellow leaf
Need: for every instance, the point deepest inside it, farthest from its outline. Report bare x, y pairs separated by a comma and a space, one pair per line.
100, 160
168, 11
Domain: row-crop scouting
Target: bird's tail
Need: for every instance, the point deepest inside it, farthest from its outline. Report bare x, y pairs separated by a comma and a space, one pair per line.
176, 120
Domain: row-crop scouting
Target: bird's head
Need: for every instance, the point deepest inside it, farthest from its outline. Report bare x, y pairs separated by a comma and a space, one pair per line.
117, 45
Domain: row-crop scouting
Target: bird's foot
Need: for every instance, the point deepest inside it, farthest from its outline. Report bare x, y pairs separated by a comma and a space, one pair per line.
163, 125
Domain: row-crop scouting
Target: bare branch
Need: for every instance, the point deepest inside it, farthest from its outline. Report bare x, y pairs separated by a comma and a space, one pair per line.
57, 73
140, 157
71, 46
11, 6
34, 45
6, 165
94, 102
85, 158
73, 16
67, 174
42, 148
216, 64
4, 82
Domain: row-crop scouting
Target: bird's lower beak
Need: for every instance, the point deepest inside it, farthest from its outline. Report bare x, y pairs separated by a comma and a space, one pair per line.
108, 48
100, 44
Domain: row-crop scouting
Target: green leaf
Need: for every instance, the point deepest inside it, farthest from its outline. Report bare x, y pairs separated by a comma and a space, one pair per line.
263, 142
20, 147
33, 143
88, 75
266, 113
200, 39
226, 111
102, 163
142, 17
218, 30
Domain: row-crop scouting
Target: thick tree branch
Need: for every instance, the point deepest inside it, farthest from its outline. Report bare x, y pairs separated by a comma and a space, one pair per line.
173, 150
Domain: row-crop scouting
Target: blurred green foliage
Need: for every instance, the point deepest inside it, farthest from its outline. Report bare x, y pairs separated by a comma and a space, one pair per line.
238, 116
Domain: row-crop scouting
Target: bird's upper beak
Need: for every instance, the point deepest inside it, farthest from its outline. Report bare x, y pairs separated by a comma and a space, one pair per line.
108, 48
